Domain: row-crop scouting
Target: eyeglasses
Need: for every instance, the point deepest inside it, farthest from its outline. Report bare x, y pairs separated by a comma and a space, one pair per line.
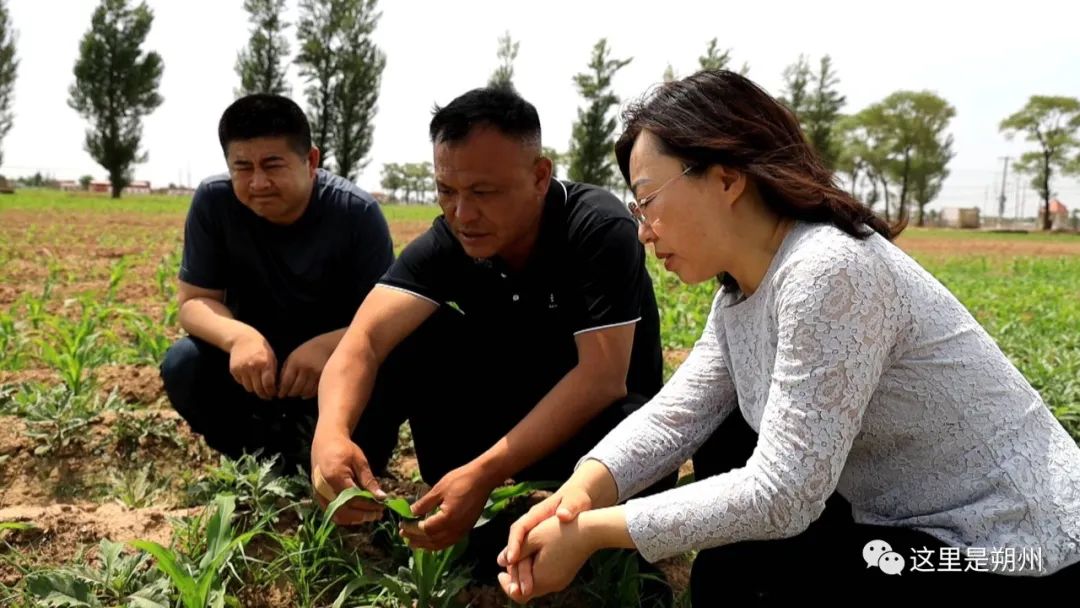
637, 208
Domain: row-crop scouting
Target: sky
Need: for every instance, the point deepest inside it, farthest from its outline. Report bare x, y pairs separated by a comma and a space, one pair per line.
985, 58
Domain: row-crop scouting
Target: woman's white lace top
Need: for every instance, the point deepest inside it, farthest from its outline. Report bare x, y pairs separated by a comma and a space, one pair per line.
861, 373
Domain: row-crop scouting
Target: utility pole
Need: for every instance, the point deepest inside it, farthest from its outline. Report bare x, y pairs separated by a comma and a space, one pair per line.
1016, 200
1001, 199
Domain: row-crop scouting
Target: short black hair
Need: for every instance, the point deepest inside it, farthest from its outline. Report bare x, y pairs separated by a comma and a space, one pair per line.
498, 107
265, 115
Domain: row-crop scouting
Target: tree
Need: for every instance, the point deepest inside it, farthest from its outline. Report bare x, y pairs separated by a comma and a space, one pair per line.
418, 178
669, 73
318, 31
1054, 124
261, 65
34, 181
412, 178
816, 103
356, 92
393, 179
9, 66
503, 77
850, 139
822, 113
558, 159
84, 181
343, 70
868, 138
115, 86
918, 120
715, 59
796, 82
928, 172
593, 132
901, 139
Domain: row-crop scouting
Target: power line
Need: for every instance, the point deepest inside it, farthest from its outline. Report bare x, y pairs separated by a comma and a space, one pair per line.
1001, 199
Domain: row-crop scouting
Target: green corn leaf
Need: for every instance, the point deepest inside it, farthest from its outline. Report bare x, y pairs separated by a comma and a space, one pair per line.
17, 526
352, 587
397, 505
167, 563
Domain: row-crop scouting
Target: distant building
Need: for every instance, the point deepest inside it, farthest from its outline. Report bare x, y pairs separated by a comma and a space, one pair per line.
138, 187
960, 217
135, 187
177, 191
1059, 216
69, 185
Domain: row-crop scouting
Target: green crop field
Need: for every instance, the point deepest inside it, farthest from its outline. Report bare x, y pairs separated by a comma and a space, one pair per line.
94, 462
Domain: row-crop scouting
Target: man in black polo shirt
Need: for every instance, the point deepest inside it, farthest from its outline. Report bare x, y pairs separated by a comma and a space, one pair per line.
530, 318
278, 255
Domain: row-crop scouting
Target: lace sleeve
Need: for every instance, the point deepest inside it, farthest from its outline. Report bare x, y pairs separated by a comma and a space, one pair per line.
667, 430
836, 321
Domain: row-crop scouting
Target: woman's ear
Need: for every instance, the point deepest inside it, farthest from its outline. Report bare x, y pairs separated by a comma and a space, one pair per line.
730, 181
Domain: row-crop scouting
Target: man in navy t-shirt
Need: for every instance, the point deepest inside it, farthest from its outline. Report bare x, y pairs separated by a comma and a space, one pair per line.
278, 256
531, 322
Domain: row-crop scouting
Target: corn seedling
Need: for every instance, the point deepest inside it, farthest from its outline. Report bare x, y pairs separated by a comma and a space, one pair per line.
149, 342
430, 580
317, 560
165, 275
501, 498
116, 275
171, 316
71, 348
614, 580
13, 526
202, 583
117, 579
12, 343
34, 310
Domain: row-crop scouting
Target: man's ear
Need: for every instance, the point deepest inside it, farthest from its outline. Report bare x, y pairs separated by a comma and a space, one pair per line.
313, 160
542, 172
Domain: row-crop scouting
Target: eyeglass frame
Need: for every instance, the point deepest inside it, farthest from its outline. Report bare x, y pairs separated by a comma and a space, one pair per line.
637, 208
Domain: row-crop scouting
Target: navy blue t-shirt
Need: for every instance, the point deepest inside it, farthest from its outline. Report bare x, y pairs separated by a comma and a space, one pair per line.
293, 282
587, 272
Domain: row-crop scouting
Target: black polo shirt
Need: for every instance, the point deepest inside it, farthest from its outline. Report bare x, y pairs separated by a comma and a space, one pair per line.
293, 282
587, 272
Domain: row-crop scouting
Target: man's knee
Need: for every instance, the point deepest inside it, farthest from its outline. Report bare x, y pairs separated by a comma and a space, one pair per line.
180, 364
186, 369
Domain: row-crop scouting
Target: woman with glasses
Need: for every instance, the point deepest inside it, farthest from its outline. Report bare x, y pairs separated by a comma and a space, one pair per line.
869, 385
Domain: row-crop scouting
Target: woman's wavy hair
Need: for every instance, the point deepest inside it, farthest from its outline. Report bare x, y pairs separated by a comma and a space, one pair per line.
718, 117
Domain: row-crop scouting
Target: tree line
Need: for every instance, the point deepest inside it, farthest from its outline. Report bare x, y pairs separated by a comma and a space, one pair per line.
894, 153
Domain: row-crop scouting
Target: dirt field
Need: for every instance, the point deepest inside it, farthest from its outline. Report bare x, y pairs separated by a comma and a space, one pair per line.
49, 259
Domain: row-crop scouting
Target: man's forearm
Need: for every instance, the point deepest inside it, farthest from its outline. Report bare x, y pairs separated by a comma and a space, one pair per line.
212, 321
330, 339
344, 391
564, 411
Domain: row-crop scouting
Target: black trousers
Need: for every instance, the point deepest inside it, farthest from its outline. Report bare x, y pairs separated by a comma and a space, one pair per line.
458, 394
231, 420
826, 561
